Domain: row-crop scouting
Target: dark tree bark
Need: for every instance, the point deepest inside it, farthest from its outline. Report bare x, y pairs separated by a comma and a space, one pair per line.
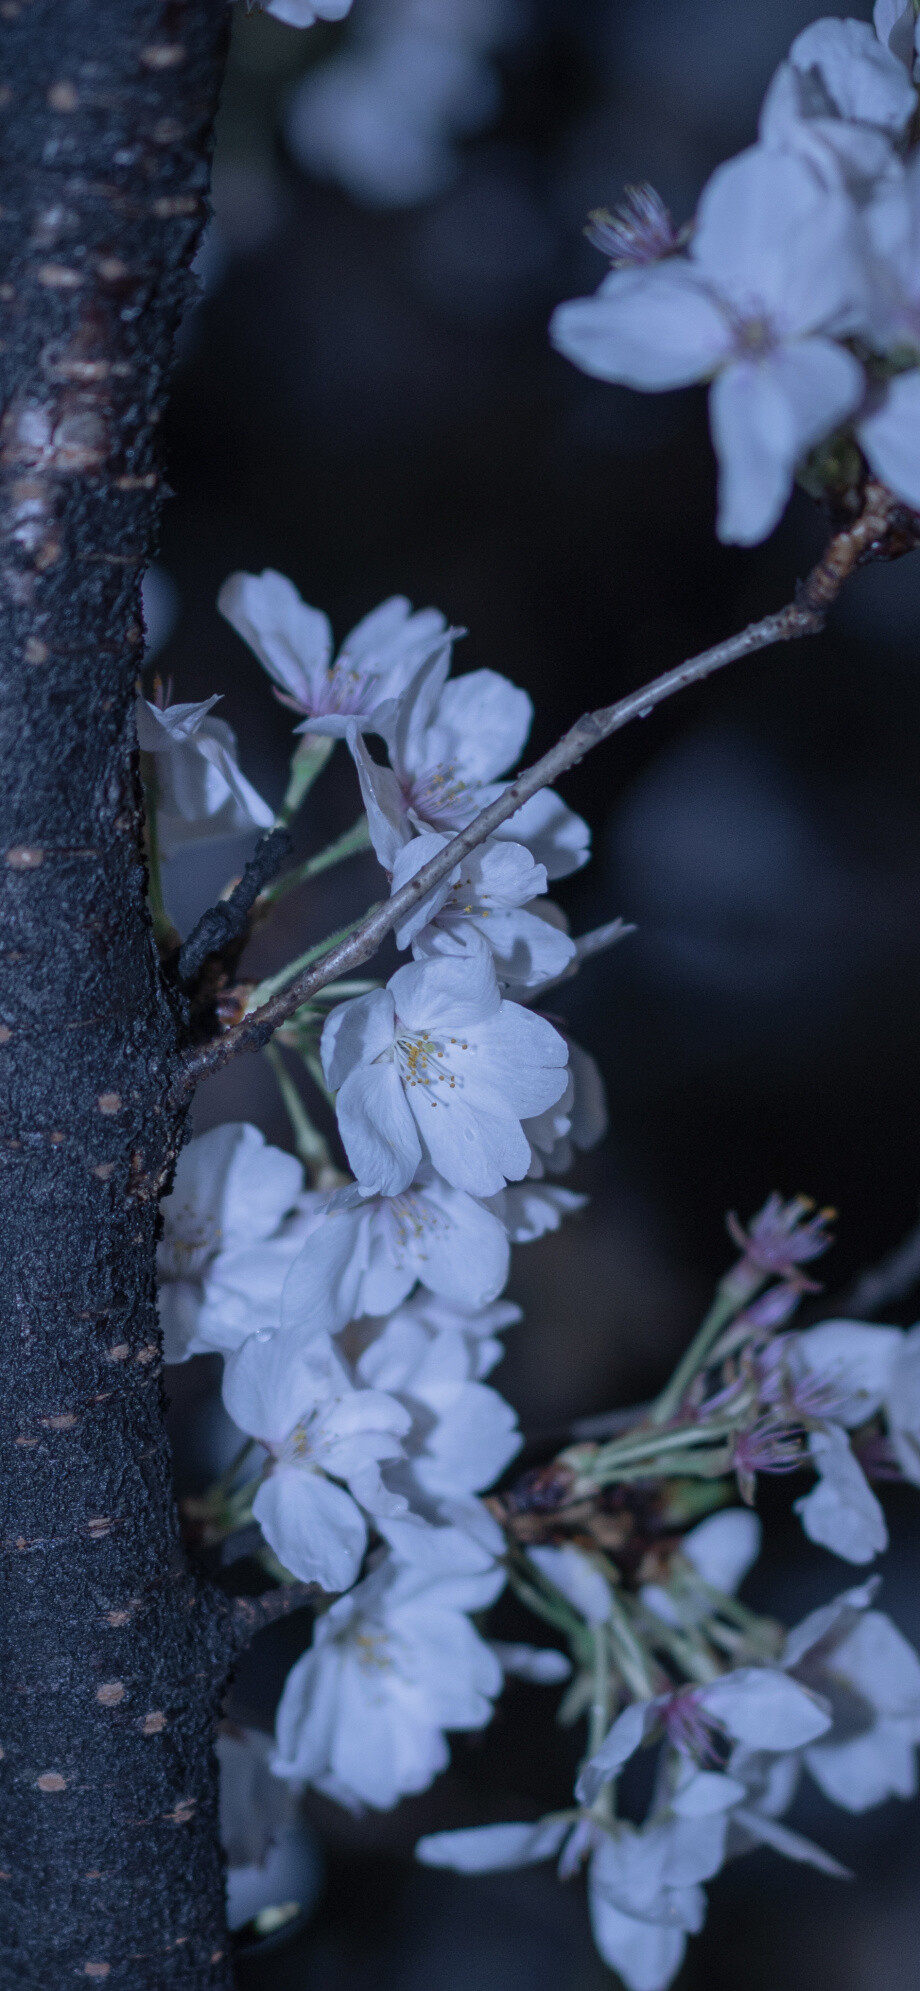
113, 1655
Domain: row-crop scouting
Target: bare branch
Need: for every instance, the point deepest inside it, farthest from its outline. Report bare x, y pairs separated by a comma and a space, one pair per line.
879, 529
228, 921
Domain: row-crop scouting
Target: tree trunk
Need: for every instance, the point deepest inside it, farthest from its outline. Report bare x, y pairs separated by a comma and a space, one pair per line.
113, 1656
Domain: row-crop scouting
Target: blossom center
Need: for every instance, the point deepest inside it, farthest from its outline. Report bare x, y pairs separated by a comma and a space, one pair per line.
432, 1062
344, 689
440, 796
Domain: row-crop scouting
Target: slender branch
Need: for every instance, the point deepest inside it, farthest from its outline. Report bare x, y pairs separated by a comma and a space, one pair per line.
865, 539
249, 1615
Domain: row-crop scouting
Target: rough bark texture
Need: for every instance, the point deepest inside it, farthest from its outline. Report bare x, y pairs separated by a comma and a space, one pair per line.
112, 1657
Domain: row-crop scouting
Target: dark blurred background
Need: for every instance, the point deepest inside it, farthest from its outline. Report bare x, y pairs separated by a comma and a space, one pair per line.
368, 401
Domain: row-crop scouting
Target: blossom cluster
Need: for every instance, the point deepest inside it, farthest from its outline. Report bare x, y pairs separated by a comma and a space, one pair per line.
359, 1317
796, 289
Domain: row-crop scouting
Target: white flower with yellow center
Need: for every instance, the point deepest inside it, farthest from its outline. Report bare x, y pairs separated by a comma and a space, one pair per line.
392, 1665
294, 643
438, 1067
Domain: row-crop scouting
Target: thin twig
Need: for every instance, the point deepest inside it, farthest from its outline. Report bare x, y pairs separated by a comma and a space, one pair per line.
249, 1615
228, 920
886, 1284
803, 617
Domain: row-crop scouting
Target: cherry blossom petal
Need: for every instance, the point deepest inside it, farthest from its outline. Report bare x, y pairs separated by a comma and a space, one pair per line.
890, 437
841, 1512
653, 328
356, 1033
291, 640
493, 1848
765, 414
315, 1528
377, 1129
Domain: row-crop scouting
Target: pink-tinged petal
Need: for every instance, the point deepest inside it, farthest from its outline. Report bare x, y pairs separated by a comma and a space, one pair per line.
493, 1848
650, 328
292, 640
355, 1033
890, 437
315, 1528
446, 995
378, 1130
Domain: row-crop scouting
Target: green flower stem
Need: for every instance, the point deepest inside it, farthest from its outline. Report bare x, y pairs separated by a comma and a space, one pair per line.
631, 1658
644, 1446
274, 983
728, 1302
307, 761
601, 1690
353, 840
222, 1486
308, 1141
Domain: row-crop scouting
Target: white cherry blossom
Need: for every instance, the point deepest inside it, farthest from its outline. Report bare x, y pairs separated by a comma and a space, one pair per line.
232, 1226
486, 894
392, 1666
437, 1066
448, 743
896, 26
530, 1209
365, 1254
867, 1670
840, 101
773, 273
758, 1706
201, 795
295, 1396
644, 1890
293, 641
463, 1434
